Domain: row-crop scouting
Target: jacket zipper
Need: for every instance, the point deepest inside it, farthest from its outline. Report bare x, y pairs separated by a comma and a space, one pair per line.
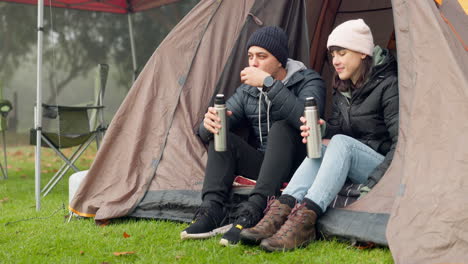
348, 100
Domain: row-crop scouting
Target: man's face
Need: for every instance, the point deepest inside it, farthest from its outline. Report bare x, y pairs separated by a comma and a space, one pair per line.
264, 60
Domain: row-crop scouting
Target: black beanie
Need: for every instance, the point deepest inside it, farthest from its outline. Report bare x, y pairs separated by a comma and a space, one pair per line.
273, 39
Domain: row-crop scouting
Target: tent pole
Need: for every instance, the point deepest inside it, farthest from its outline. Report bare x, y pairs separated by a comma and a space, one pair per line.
132, 45
38, 108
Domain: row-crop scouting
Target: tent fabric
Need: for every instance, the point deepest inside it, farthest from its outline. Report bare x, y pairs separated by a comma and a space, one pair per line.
144, 126
356, 226
429, 220
182, 204
151, 163
452, 12
178, 117
110, 6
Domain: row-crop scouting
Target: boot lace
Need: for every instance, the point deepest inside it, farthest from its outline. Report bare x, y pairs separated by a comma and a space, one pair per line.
294, 218
270, 201
269, 210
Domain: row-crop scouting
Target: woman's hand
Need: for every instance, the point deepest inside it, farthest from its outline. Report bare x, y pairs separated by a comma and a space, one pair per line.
212, 121
305, 129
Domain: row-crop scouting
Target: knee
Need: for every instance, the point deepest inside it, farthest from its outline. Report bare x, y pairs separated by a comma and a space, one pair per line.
341, 141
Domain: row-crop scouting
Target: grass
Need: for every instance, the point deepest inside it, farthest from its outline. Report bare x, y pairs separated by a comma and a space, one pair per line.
27, 236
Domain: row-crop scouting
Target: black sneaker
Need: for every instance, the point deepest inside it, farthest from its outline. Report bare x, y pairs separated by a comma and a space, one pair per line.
247, 215
206, 223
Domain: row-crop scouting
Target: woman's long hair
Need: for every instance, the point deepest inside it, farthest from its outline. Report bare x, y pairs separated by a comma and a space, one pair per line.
347, 85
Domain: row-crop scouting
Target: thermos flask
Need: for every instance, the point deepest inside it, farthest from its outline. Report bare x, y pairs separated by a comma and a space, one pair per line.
314, 140
220, 139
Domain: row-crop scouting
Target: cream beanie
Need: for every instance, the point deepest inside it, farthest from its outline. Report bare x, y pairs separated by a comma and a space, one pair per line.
354, 35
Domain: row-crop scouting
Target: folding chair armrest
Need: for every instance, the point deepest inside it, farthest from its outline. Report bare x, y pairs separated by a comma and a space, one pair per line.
72, 108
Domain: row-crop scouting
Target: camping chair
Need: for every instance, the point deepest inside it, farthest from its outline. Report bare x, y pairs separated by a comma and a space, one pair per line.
70, 126
5, 108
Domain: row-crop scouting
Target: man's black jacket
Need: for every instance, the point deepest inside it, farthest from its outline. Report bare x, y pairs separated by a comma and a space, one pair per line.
286, 103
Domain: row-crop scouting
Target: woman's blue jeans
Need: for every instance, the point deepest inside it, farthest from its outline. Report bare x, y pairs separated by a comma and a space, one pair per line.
321, 179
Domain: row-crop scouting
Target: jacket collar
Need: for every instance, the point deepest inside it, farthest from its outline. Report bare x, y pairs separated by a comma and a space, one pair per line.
384, 66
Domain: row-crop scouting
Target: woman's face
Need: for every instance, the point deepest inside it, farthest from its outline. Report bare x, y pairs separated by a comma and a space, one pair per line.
346, 63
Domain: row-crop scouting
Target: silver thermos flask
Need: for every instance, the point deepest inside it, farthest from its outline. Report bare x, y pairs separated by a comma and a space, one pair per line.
220, 139
314, 140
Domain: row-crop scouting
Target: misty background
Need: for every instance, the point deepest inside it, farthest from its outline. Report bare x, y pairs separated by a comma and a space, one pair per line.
75, 42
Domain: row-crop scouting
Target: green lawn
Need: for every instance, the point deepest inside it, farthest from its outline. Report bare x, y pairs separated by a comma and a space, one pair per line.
48, 238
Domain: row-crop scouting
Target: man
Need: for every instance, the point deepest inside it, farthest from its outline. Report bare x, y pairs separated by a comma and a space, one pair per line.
271, 100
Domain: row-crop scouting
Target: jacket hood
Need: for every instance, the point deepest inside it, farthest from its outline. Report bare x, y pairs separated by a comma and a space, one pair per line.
292, 67
384, 63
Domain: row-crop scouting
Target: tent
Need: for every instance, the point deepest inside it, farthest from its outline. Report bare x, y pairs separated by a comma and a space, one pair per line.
151, 162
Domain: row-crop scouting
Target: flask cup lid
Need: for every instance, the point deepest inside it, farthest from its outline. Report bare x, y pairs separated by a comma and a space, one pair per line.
310, 101
219, 99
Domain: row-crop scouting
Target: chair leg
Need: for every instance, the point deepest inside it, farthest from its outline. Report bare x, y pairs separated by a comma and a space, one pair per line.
4, 177
100, 131
4, 170
62, 169
78, 153
58, 152
98, 141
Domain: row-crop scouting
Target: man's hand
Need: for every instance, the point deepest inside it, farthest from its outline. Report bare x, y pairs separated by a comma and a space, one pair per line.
305, 129
212, 121
253, 76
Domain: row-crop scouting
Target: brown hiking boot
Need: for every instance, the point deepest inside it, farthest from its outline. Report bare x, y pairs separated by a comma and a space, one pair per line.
298, 231
276, 214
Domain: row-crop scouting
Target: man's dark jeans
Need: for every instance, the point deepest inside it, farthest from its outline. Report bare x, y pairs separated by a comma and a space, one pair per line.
284, 153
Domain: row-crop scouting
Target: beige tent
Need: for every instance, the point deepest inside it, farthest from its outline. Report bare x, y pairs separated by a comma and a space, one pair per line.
151, 162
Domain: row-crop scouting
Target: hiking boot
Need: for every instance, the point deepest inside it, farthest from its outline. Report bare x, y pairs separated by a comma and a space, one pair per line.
298, 231
276, 214
247, 215
206, 223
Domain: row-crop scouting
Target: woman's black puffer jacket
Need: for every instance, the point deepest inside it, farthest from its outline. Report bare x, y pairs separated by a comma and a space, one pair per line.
371, 114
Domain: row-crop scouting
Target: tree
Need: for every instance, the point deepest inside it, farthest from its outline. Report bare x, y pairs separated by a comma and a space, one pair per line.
17, 37
76, 41
150, 28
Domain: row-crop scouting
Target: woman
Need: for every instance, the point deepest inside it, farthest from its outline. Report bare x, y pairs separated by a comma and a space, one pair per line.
359, 141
